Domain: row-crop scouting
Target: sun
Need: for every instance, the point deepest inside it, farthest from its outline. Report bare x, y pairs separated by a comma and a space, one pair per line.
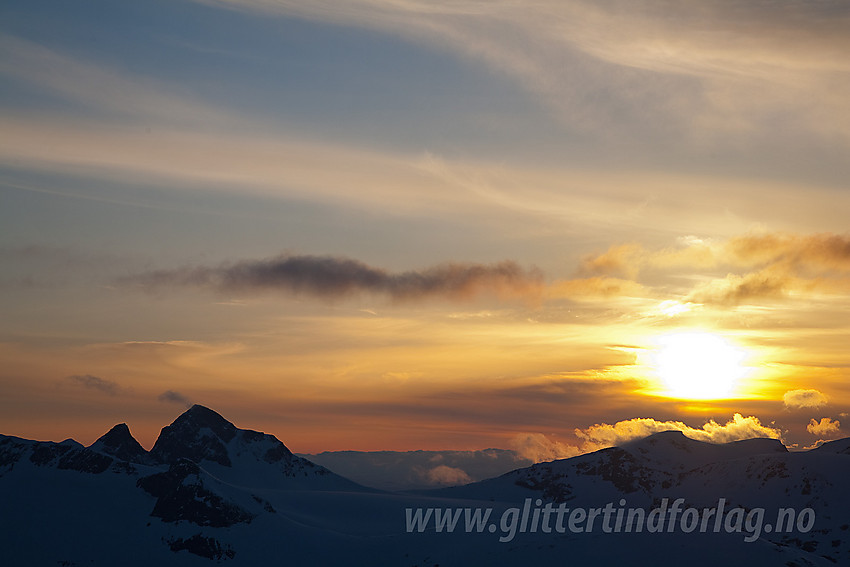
698, 365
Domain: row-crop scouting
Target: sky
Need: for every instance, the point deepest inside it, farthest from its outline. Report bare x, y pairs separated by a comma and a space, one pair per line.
369, 225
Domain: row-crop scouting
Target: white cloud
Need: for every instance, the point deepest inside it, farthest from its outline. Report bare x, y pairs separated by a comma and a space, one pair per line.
825, 428
798, 399
738, 428
538, 448
446, 475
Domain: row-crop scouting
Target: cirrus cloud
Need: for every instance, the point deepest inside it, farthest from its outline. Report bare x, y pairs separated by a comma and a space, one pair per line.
710, 67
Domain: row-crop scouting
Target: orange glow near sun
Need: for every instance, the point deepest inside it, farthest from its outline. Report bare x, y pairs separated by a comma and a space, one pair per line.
697, 365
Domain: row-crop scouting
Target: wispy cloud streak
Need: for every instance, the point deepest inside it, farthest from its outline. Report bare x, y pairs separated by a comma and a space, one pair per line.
100, 87
172, 396
706, 66
102, 385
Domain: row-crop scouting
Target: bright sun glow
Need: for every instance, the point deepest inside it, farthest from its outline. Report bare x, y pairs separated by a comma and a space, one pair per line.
698, 365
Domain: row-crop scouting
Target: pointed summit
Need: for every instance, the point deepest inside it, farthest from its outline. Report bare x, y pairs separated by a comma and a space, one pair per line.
241, 457
118, 442
199, 416
198, 434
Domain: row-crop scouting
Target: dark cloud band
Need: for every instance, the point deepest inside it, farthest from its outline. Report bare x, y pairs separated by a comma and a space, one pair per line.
332, 277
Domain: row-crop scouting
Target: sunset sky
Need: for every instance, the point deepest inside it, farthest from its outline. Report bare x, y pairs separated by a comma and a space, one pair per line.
426, 224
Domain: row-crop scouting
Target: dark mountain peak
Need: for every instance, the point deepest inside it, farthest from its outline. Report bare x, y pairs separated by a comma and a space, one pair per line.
199, 410
120, 443
118, 429
198, 434
115, 437
199, 416
243, 456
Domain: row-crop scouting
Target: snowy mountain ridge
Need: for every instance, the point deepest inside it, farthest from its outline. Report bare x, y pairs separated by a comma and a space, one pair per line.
209, 492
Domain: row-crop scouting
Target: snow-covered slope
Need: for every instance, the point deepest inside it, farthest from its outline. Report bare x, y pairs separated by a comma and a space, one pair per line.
841, 446
209, 493
639, 469
750, 474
